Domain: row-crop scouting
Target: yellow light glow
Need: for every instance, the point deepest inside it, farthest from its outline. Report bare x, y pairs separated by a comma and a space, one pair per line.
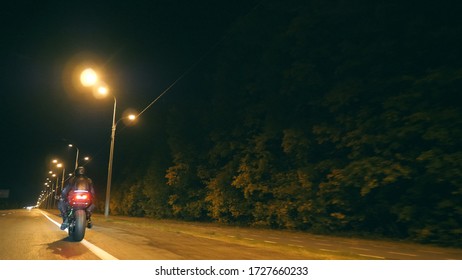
88, 77
100, 90
103, 90
59, 165
132, 117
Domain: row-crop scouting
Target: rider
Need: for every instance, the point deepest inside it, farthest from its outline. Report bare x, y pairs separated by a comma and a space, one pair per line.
79, 178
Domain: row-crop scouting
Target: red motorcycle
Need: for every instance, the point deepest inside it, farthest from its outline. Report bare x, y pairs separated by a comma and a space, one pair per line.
79, 201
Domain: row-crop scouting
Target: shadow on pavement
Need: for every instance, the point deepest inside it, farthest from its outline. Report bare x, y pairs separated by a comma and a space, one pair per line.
66, 248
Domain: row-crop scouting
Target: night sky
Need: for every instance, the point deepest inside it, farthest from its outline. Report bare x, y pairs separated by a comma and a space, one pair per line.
143, 47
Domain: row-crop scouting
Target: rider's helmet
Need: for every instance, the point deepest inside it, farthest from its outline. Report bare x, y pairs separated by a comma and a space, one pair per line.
80, 170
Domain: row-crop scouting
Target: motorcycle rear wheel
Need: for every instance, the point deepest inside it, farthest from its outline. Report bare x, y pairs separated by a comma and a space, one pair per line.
80, 224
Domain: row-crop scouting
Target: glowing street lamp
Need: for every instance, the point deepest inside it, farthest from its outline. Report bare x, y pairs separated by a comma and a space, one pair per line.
102, 90
77, 156
88, 77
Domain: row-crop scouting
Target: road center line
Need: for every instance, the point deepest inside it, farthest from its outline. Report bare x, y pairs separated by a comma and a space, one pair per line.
100, 253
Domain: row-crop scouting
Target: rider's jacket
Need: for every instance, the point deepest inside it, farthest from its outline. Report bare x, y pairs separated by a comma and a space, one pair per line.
78, 182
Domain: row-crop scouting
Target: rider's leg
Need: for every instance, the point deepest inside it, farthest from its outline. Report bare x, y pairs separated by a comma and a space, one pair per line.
89, 212
62, 205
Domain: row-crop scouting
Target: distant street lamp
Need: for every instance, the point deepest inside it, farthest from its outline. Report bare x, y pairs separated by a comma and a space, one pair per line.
89, 78
53, 198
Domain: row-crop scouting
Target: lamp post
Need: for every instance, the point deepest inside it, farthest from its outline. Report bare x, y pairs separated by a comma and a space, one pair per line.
111, 157
52, 174
76, 156
89, 78
60, 165
46, 194
53, 194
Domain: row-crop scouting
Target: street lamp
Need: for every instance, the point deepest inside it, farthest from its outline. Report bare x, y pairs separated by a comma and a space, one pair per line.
76, 156
60, 165
54, 191
89, 78
111, 157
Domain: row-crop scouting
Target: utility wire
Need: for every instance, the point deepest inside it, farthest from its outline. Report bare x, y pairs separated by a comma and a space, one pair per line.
193, 65
214, 46
182, 76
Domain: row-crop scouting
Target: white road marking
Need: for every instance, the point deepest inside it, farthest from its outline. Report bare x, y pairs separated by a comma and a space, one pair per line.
433, 252
403, 254
272, 237
319, 239
100, 253
323, 244
372, 256
357, 248
327, 250
271, 242
299, 241
348, 242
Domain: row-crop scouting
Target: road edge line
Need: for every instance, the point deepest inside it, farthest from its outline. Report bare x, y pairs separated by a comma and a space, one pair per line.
100, 253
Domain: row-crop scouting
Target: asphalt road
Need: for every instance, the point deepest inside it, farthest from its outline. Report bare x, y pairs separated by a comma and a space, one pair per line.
35, 235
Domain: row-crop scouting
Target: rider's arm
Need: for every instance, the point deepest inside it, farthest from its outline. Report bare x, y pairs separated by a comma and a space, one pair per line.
92, 189
65, 191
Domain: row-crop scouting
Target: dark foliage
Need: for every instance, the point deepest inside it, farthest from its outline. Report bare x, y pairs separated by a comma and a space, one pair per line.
328, 116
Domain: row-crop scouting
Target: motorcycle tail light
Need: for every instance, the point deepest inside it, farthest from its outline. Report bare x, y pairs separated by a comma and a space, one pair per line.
81, 196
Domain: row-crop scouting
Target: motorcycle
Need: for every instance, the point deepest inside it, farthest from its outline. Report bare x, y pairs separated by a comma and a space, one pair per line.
79, 201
